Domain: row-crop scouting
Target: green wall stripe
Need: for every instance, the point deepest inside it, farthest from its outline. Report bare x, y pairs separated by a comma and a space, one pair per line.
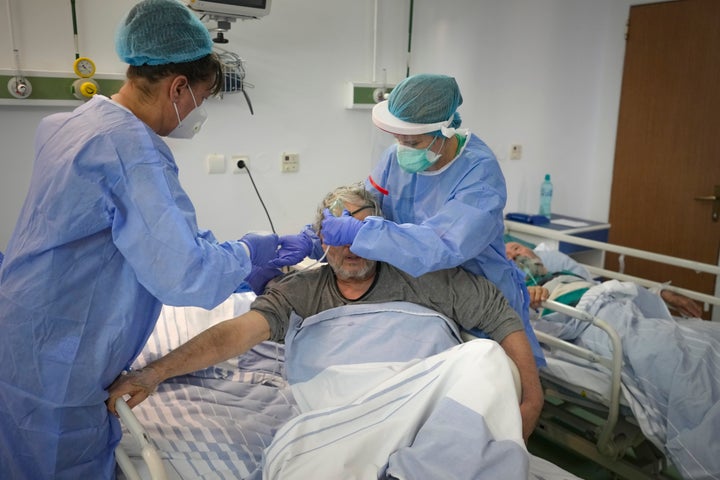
363, 95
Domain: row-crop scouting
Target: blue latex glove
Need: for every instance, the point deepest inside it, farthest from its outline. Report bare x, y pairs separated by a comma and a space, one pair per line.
263, 248
260, 276
293, 249
317, 251
244, 287
342, 230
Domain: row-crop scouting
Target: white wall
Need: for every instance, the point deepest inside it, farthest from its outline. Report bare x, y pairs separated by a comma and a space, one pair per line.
542, 73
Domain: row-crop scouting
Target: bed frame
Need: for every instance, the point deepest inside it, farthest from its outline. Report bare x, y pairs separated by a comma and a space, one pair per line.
150, 454
598, 426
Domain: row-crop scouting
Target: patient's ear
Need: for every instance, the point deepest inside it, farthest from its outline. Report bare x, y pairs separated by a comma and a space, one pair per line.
323, 245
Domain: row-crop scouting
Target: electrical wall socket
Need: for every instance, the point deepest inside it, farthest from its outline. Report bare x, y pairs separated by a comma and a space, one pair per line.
235, 159
290, 162
515, 151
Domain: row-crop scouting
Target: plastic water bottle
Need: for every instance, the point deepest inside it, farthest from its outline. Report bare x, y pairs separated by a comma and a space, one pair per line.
546, 192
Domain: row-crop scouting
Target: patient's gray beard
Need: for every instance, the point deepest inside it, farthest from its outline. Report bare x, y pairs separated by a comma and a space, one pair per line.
361, 274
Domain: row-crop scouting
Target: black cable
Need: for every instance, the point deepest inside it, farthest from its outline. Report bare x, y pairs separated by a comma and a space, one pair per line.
241, 164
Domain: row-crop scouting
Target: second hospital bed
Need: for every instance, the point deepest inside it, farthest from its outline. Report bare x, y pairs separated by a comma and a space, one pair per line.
624, 393
218, 423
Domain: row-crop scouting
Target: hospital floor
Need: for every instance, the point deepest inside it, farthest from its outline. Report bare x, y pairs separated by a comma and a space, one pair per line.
574, 463
563, 458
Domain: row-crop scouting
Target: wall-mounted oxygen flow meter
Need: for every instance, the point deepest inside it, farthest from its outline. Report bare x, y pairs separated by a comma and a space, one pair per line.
84, 67
84, 87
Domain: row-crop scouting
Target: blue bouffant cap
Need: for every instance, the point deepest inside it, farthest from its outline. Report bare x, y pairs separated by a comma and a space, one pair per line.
158, 32
423, 103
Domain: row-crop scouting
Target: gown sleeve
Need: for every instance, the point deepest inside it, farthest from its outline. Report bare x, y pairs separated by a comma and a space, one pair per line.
155, 228
441, 222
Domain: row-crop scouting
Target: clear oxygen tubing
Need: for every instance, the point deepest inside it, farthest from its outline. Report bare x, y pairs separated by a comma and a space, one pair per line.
75, 29
529, 274
16, 51
375, 37
337, 207
409, 47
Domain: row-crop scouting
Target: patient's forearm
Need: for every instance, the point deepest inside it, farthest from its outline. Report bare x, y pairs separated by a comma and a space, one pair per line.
517, 347
225, 340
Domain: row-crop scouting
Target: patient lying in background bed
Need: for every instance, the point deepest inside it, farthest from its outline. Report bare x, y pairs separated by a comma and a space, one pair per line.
671, 372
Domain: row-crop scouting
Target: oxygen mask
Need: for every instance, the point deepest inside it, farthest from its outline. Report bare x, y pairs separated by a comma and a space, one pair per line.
337, 207
533, 267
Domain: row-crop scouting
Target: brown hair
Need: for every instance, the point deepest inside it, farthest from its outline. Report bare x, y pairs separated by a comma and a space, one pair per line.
196, 71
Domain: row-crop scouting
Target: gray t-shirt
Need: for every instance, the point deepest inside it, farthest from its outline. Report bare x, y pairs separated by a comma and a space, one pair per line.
469, 300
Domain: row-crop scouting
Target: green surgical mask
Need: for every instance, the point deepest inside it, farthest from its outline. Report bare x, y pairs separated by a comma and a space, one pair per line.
414, 160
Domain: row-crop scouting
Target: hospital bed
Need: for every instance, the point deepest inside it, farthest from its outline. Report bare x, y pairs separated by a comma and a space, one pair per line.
593, 407
217, 423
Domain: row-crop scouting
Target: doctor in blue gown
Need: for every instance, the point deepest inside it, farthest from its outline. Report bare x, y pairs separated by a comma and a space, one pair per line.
106, 235
442, 193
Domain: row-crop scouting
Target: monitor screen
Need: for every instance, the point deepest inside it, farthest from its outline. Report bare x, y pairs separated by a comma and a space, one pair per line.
235, 8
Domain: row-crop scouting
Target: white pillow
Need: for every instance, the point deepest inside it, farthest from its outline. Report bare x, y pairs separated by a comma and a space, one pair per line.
556, 261
177, 325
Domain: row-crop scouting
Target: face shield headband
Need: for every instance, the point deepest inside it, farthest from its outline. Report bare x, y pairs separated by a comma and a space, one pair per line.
388, 122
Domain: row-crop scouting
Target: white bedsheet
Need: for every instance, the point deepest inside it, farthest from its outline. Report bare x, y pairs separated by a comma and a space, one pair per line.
388, 392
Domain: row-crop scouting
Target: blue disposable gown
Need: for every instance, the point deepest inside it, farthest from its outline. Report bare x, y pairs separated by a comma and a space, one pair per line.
106, 235
445, 218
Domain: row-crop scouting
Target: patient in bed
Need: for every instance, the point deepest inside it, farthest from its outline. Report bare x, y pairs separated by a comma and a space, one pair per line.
671, 365
566, 280
338, 321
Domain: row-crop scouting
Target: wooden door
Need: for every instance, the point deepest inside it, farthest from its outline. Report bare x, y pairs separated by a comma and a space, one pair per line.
668, 140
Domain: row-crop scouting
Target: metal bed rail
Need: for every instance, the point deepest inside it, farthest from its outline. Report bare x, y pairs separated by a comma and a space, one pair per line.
616, 442
632, 252
148, 450
609, 247
605, 443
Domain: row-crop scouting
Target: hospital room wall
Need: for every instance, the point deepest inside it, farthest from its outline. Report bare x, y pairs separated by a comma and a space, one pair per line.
541, 73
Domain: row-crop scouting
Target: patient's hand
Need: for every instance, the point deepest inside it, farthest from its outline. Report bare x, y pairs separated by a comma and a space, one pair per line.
537, 295
686, 306
139, 384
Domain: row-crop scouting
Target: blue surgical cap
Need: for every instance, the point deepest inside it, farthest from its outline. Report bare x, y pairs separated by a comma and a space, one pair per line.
158, 32
426, 98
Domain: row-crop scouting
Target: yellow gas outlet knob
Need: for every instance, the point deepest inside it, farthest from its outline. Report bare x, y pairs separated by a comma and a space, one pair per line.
84, 88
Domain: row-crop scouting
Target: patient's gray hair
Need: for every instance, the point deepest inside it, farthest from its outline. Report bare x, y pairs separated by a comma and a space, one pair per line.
349, 194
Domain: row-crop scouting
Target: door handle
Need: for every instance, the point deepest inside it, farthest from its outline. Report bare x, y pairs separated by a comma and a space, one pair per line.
716, 202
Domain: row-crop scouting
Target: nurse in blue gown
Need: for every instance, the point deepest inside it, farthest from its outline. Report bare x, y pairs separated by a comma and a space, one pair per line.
105, 236
442, 194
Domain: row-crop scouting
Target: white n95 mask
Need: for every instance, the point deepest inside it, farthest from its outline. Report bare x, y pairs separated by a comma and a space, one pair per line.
192, 123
